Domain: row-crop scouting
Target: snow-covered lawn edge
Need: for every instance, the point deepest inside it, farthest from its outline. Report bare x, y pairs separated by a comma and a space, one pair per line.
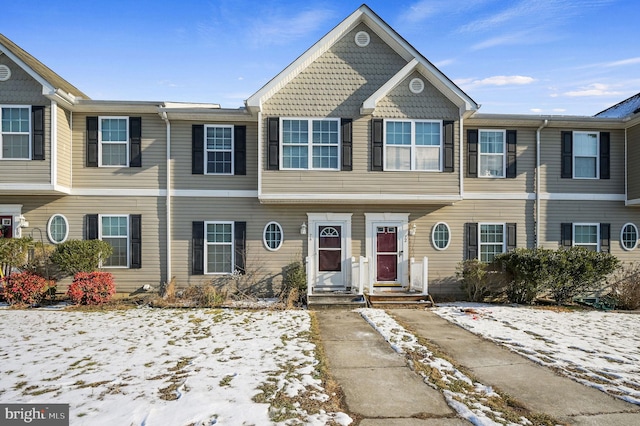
473, 401
595, 348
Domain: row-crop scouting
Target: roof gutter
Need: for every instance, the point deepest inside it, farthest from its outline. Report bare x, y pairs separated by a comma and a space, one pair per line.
537, 187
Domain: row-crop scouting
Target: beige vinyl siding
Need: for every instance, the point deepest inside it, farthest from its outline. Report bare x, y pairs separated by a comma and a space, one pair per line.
63, 153
633, 152
402, 103
152, 174
550, 157
555, 212
182, 178
38, 210
524, 182
361, 180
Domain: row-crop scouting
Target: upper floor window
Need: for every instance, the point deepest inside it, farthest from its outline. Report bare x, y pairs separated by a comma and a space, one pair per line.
219, 149
413, 145
585, 155
491, 153
15, 133
310, 143
113, 141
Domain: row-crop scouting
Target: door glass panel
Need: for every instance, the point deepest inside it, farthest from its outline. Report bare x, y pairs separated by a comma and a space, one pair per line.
387, 267
387, 241
329, 248
330, 260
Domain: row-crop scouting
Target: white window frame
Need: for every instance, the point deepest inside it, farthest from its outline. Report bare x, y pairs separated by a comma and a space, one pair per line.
28, 107
433, 236
264, 236
480, 243
207, 244
573, 235
206, 151
413, 147
125, 143
310, 143
50, 234
624, 246
128, 238
504, 153
573, 155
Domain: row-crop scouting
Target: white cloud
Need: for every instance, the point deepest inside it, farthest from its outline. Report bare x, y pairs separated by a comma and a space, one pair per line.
444, 63
595, 89
281, 29
497, 80
536, 110
623, 62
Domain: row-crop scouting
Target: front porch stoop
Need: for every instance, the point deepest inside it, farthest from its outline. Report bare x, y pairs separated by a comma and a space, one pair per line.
395, 299
335, 300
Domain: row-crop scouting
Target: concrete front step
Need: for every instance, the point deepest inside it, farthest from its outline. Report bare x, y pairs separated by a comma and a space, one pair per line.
335, 301
399, 300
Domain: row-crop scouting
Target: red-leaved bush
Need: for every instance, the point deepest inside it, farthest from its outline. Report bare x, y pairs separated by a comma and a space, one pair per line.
25, 287
91, 288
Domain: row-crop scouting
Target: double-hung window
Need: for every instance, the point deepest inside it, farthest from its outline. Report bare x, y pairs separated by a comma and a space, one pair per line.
219, 149
15, 136
586, 235
311, 144
492, 241
585, 155
114, 229
413, 145
219, 250
113, 141
491, 153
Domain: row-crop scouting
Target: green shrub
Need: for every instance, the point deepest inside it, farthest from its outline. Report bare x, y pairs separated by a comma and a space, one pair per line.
577, 270
75, 256
294, 284
479, 280
13, 253
525, 273
40, 262
625, 286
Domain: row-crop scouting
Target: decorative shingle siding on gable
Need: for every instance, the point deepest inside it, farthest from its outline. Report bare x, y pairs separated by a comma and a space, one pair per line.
21, 88
430, 104
339, 81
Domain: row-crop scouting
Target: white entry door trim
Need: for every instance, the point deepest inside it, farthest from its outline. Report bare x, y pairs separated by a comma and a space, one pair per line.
343, 220
401, 222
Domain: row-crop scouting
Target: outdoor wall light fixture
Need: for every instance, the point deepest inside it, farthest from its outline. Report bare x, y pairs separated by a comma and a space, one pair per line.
303, 229
412, 230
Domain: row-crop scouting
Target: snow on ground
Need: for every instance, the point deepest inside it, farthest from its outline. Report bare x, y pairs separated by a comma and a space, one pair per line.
161, 366
599, 349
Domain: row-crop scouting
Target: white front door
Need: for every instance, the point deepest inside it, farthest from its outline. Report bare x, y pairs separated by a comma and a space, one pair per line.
329, 245
388, 254
387, 249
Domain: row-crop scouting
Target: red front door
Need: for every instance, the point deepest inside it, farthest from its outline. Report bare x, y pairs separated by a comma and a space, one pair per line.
386, 254
6, 226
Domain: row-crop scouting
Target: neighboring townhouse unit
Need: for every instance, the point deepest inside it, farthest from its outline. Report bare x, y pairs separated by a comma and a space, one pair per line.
360, 157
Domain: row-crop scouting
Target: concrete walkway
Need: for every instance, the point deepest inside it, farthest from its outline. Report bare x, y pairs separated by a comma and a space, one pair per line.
381, 390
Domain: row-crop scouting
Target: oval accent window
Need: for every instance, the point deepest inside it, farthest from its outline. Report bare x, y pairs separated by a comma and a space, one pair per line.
441, 236
5, 73
58, 228
416, 85
362, 38
629, 236
273, 236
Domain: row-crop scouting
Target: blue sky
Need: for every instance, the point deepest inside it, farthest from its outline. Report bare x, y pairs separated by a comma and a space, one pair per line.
572, 57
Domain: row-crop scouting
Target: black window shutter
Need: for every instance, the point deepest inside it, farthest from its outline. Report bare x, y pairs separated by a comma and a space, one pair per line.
512, 153
240, 150
605, 155
91, 227
197, 248
197, 149
448, 146
240, 243
273, 143
605, 237
472, 240
567, 234
511, 236
377, 145
135, 231
567, 155
37, 127
92, 141
346, 126
472, 153
135, 142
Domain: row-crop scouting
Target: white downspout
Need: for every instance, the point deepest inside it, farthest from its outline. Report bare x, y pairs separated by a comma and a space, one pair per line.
537, 187
260, 133
54, 144
163, 114
461, 156
626, 165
